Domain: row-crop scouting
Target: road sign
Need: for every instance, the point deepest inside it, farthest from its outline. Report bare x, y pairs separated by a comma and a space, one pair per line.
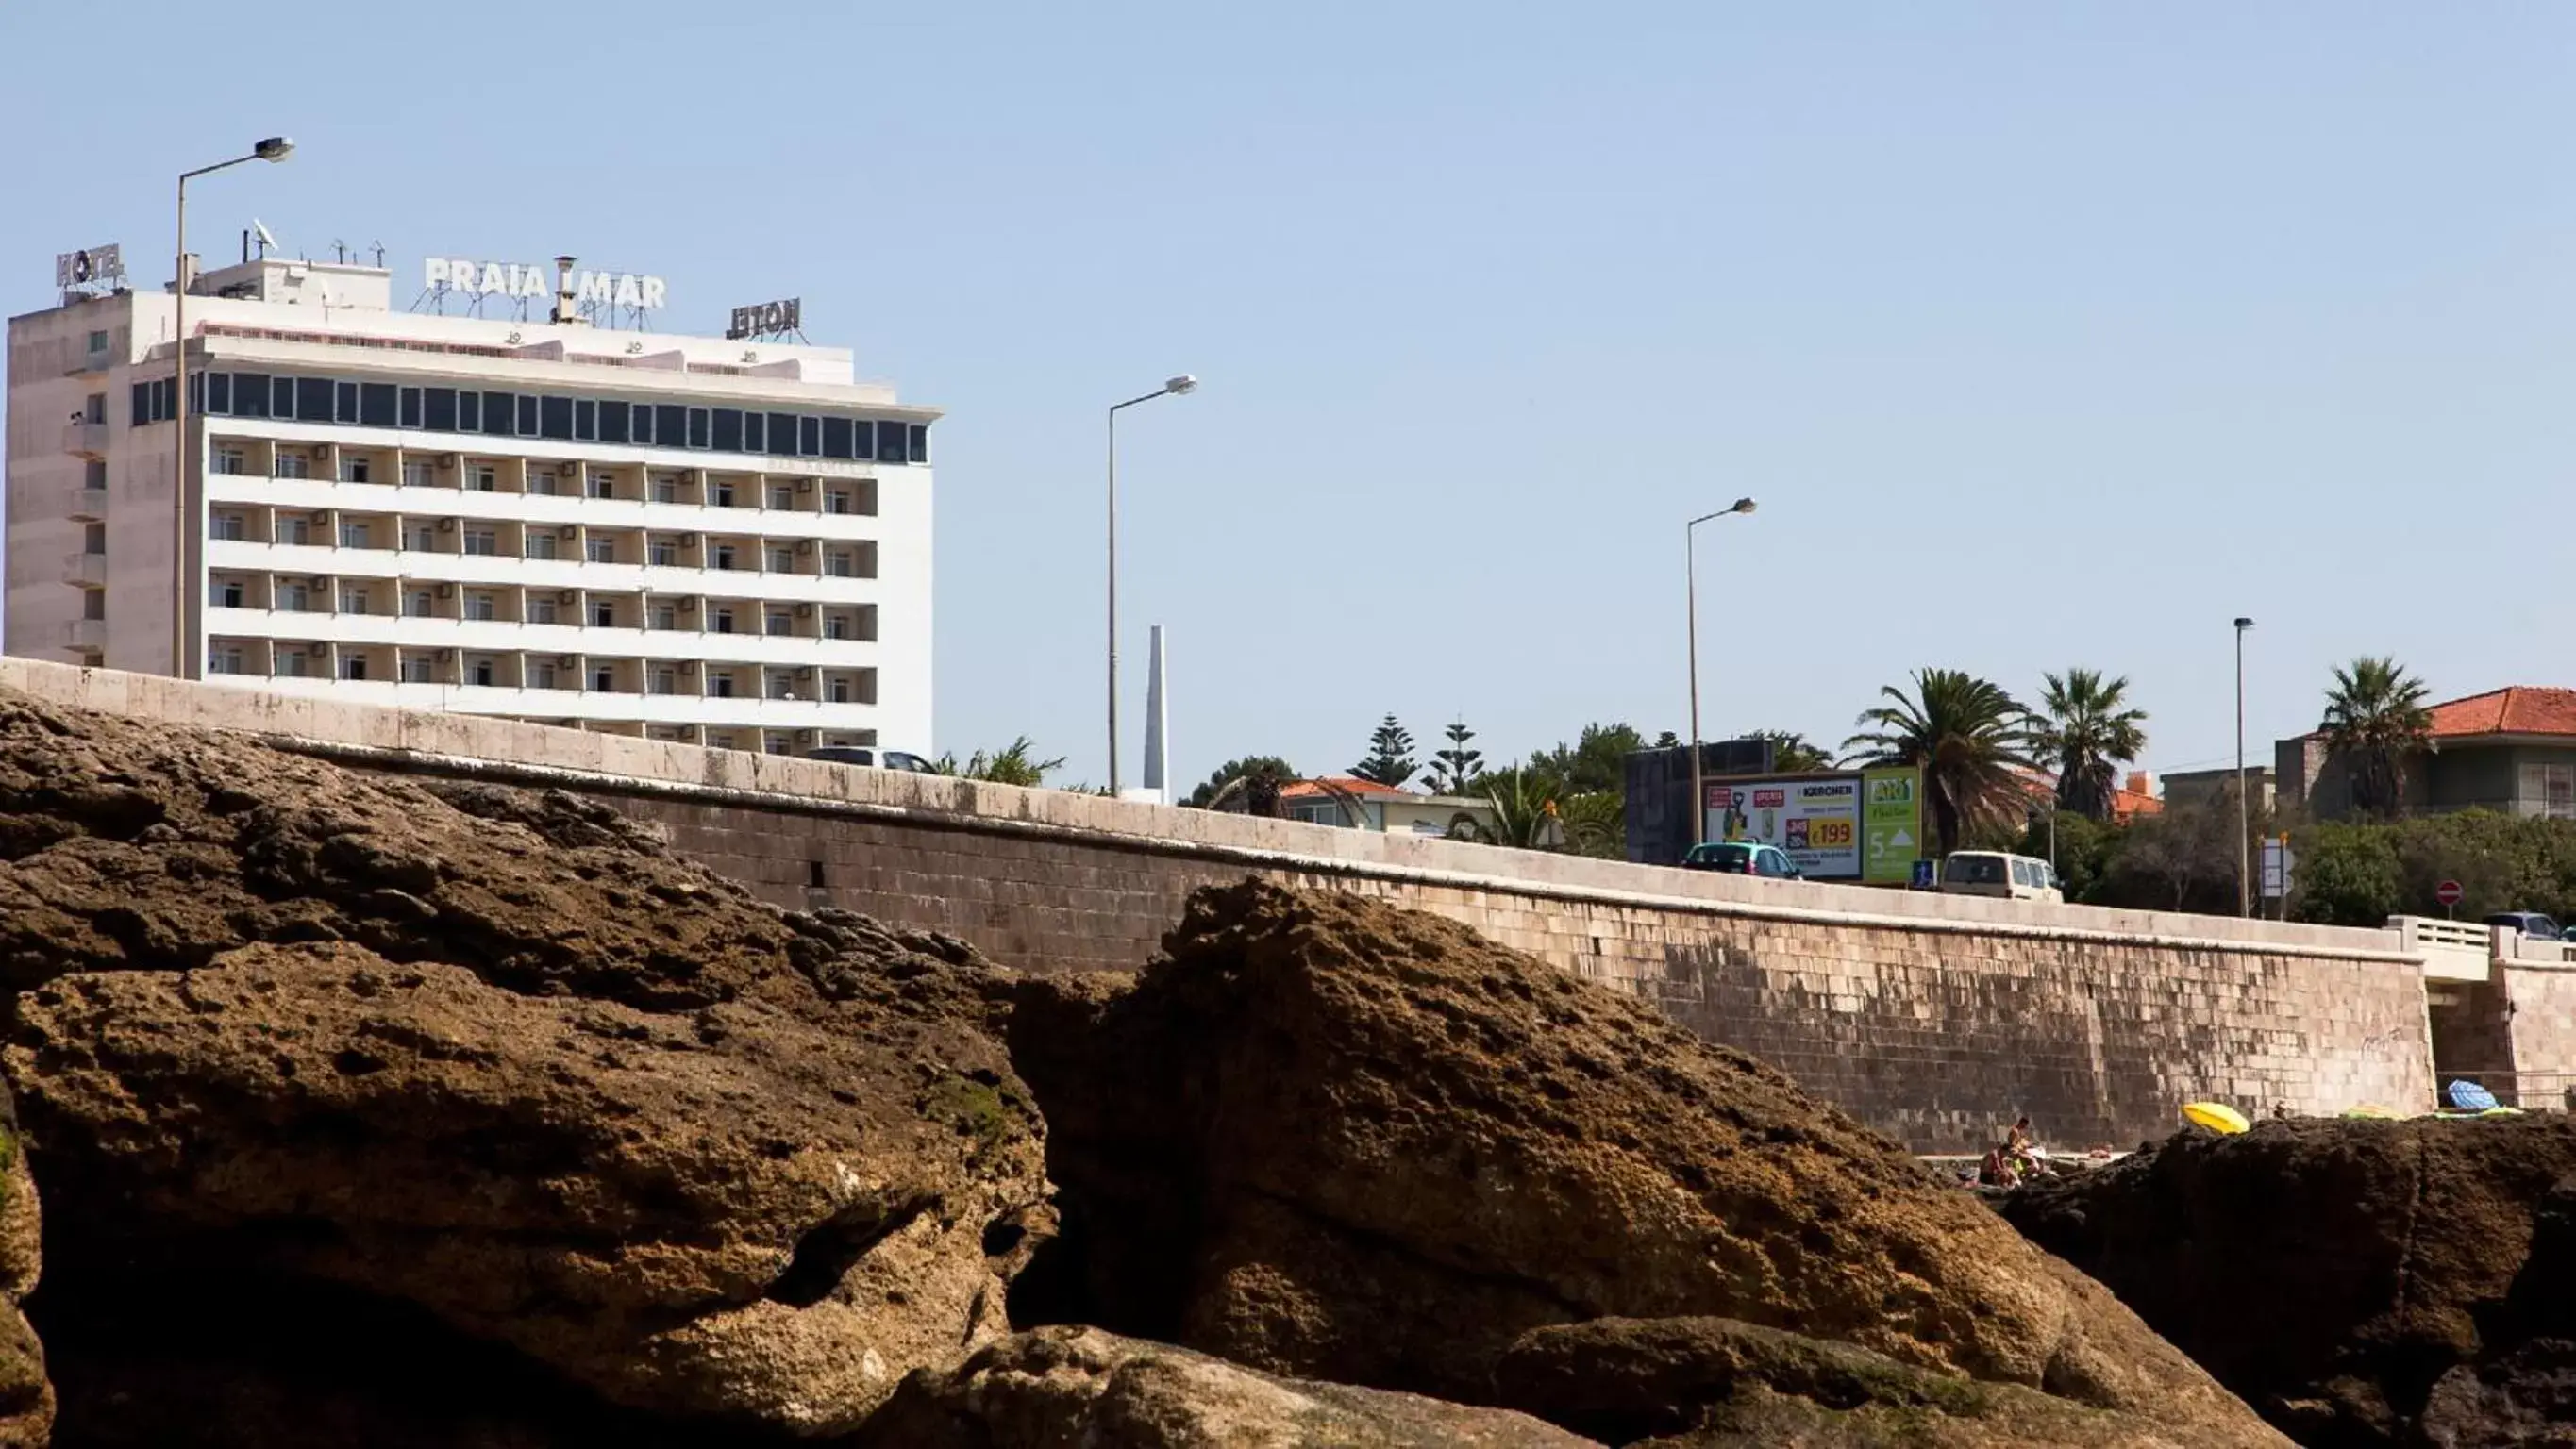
2449, 893
2279, 862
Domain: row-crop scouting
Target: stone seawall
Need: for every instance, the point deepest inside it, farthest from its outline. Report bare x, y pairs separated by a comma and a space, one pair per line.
1933, 1018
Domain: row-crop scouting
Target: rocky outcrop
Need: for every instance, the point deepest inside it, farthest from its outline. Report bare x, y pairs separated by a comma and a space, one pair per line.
1062, 1386
26, 1394
1332, 1139
492, 1074
2358, 1282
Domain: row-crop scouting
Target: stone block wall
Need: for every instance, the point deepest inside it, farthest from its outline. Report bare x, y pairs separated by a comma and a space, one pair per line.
1934, 1018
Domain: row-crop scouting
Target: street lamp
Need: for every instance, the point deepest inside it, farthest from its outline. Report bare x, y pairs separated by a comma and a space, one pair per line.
183, 578
2244, 822
1173, 387
1690, 556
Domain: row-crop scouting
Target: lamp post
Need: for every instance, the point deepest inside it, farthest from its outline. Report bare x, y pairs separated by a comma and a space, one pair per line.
2244, 812
1174, 387
1690, 558
183, 514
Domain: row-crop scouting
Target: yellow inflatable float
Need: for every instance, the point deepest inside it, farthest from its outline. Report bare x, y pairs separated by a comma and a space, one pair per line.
2218, 1117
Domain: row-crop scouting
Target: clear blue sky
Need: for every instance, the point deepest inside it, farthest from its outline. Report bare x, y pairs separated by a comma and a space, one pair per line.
2046, 335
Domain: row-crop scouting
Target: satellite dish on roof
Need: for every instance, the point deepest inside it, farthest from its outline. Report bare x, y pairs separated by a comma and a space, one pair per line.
266, 238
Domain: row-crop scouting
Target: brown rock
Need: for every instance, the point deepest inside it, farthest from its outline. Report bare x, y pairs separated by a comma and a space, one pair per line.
500, 1061
1331, 1138
26, 1394
1715, 1381
1069, 1386
2358, 1282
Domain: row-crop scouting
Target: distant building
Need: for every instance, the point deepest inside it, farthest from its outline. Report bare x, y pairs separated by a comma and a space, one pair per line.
2186, 789
2135, 796
2510, 750
1348, 801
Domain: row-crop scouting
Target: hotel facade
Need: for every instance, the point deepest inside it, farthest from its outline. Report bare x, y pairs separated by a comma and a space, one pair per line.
719, 541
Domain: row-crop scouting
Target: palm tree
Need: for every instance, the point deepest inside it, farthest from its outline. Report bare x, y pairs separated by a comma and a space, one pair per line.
2375, 717
2088, 731
1967, 734
1792, 755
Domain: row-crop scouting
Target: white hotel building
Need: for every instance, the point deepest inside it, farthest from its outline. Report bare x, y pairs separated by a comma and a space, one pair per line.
721, 542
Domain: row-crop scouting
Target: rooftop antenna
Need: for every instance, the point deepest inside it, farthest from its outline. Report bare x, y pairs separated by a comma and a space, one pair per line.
339, 250
267, 239
380, 256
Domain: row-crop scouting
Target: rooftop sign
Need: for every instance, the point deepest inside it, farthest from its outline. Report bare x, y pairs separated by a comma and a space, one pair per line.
97, 266
768, 319
510, 279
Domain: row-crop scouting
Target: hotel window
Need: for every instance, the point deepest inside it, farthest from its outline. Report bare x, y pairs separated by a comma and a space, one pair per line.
227, 660
722, 496
483, 672
782, 560
662, 553
728, 430
290, 663
482, 478
722, 620
541, 675
840, 689
500, 416
604, 678
409, 412
228, 527
418, 605
541, 611
721, 556
585, 420
415, 475
840, 565
780, 623
480, 607
229, 461
541, 481
676, 427
354, 470
353, 601
376, 404
313, 400
482, 541
353, 666
539, 543
297, 530
554, 418
755, 434
600, 550
469, 411
353, 533
2549, 791
836, 437
419, 669
720, 685
603, 485
836, 625
782, 496
292, 465
98, 342
665, 616
603, 614
837, 500
421, 539
291, 598
666, 681
527, 415
781, 685
612, 421
666, 489
809, 437
344, 403
228, 593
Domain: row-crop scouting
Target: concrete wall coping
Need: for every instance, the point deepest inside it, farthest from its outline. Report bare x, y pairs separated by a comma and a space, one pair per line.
386, 737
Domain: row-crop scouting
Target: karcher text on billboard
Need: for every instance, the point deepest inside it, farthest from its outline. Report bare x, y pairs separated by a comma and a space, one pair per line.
1840, 825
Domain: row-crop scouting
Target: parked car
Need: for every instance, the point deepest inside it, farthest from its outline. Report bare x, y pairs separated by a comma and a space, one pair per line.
1742, 857
872, 757
1999, 873
2530, 923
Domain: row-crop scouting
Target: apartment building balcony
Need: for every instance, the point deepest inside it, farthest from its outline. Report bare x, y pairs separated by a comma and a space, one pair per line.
87, 570
85, 438
89, 505
86, 635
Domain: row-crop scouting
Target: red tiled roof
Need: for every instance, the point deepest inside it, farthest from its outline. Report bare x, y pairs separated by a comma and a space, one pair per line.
2136, 796
1364, 789
2519, 709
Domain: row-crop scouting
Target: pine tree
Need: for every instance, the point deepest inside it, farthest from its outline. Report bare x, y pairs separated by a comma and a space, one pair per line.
1455, 770
1390, 759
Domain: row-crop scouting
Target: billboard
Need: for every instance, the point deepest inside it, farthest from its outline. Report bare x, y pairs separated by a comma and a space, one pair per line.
1837, 825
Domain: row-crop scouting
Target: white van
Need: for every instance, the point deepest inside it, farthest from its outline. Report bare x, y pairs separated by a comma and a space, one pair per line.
1996, 873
